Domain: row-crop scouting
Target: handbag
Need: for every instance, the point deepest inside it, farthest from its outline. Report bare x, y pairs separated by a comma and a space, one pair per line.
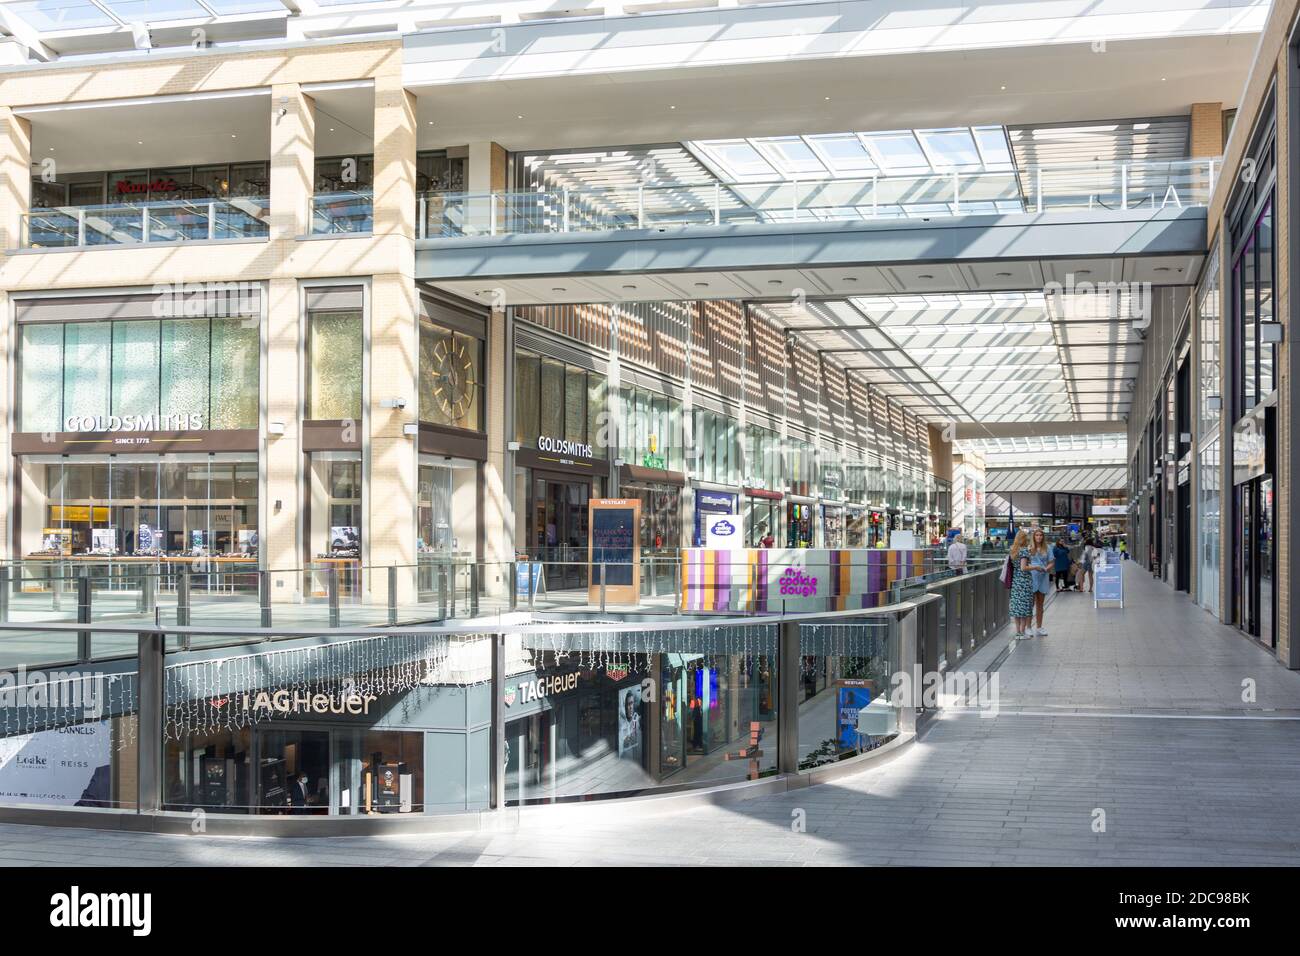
1007, 575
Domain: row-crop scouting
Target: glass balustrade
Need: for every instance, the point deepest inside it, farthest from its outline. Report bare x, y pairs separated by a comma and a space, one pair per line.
167, 221
1048, 189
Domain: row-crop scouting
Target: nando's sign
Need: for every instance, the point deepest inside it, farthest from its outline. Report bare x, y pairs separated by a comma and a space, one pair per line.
126, 188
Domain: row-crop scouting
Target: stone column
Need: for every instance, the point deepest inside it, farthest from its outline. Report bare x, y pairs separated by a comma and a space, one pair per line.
391, 459
1206, 138
293, 158
15, 203
486, 172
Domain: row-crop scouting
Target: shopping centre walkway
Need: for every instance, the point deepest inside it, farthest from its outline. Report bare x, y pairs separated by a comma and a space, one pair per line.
1130, 718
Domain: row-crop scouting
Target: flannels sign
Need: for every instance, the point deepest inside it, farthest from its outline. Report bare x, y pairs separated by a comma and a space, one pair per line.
134, 423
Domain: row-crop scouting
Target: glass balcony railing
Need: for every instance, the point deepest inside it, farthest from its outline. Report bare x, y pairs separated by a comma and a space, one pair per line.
116, 224
343, 213
1046, 189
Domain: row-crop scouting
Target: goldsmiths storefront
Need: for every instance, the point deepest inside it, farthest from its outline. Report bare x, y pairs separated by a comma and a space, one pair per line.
137, 427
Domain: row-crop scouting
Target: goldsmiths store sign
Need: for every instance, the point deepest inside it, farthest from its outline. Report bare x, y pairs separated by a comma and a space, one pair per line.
192, 421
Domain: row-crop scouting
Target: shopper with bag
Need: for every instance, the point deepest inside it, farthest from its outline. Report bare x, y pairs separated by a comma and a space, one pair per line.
1022, 584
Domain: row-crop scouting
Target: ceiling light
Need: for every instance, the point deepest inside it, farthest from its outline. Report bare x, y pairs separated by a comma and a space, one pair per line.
520, 116
925, 275
139, 142
850, 279
701, 285
232, 136
1004, 87
630, 288
557, 288
1162, 269
1084, 272
773, 281
331, 129
1004, 275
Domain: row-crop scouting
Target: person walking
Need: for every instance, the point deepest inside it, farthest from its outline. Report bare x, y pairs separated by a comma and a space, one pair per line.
1022, 585
957, 555
1061, 565
1038, 561
1087, 561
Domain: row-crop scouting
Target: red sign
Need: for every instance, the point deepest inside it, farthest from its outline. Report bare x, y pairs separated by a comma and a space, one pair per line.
125, 188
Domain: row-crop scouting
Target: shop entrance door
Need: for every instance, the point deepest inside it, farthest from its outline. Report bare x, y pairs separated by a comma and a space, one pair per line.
560, 531
1183, 557
1256, 560
282, 755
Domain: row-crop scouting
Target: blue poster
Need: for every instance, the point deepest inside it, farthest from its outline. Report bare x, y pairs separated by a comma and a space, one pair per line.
1108, 583
851, 700
523, 571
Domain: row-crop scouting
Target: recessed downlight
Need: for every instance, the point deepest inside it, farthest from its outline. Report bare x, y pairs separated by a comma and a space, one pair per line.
701, 285
558, 288
630, 288
1004, 275
925, 275
774, 282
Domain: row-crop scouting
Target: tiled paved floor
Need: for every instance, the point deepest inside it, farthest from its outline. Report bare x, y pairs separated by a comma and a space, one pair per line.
1131, 718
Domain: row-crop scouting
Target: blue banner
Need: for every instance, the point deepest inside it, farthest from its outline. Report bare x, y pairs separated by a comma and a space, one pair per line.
851, 700
1108, 583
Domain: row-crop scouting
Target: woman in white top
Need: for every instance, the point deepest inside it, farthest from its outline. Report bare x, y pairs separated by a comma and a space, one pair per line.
1088, 560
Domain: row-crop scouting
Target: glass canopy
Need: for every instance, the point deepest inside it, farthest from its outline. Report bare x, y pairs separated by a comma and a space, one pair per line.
982, 357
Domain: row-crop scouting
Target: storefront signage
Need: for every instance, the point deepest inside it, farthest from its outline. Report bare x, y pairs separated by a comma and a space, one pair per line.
723, 531
563, 446
651, 460
284, 701
65, 766
193, 421
532, 690
1109, 510
126, 188
798, 583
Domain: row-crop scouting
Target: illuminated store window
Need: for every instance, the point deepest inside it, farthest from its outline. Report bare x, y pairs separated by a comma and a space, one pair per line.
335, 347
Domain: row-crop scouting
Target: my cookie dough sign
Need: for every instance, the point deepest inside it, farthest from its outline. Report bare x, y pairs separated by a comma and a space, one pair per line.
269, 703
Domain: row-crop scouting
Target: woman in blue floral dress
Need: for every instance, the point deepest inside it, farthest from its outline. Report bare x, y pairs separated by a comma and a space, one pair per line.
1022, 585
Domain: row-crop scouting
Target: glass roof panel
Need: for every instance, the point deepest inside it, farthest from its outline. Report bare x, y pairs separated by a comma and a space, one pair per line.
951, 148
843, 152
793, 155
230, 8
61, 14
992, 142
898, 152
151, 11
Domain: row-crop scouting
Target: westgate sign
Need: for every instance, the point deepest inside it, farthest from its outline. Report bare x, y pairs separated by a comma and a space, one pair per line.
192, 421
